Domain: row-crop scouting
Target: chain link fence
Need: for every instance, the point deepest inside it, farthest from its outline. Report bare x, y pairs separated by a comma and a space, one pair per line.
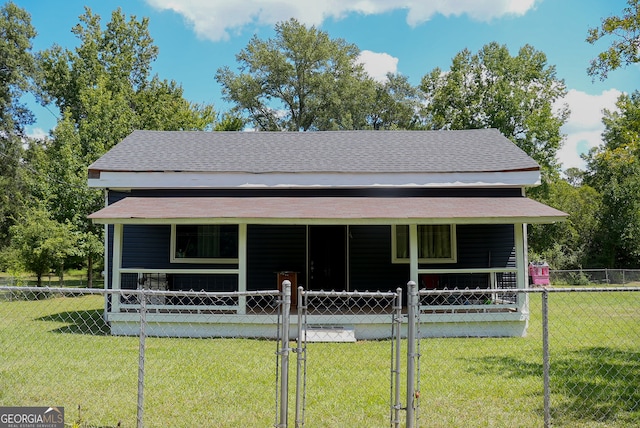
576, 365
57, 349
595, 277
314, 362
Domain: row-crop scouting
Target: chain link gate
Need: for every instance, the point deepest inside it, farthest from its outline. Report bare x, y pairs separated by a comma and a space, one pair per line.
328, 318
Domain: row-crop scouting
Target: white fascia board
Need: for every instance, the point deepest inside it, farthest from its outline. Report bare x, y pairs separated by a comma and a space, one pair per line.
331, 221
195, 180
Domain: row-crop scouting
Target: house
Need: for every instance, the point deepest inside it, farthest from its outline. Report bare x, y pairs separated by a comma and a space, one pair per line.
339, 210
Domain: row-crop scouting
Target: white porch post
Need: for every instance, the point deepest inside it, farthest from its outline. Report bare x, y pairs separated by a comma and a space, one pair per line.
242, 267
105, 276
413, 253
117, 265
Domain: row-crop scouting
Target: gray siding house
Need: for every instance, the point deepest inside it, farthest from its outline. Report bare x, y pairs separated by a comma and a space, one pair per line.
341, 210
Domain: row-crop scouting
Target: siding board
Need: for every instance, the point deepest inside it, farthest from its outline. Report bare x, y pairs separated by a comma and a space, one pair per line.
272, 249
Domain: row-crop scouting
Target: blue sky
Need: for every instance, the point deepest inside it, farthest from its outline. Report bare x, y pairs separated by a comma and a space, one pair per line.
412, 37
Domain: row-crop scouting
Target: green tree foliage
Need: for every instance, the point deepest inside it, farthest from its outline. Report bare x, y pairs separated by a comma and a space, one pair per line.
16, 68
624, 49
160, 105
104, 91
299, 80
567, 245
39, 244
16, 73
229, 122
492, 89
614, 170
396, 104
104, 86
121, 55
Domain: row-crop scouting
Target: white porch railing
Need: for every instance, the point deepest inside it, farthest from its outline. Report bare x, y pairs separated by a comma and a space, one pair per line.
492, 290
192, 281
456, 291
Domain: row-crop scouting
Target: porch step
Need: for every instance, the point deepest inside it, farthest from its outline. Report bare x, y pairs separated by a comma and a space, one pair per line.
321, 333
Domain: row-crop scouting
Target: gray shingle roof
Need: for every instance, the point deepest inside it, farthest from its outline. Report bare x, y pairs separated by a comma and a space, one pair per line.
480, 150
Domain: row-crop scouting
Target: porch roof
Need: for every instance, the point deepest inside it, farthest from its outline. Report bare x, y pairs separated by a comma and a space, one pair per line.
327, 210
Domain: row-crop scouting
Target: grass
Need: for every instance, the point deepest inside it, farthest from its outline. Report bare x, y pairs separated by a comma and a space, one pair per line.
72, 278
58, 352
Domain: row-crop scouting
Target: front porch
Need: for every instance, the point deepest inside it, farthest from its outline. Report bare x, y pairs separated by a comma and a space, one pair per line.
494, 310
229, 248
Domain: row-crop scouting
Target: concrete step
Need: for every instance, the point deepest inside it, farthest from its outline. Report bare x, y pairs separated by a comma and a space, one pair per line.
327, 333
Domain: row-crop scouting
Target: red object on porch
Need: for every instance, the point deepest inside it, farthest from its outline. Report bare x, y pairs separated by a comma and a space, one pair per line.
539, 273
429, 281
293, 277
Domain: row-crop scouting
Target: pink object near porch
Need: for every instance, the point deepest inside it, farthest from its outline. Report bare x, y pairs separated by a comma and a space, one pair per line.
539, 273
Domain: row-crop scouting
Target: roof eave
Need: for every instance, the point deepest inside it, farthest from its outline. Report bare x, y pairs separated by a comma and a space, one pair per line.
239, 180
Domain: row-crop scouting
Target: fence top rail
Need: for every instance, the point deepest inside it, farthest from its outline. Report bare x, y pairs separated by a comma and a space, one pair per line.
450, 291
60, 290
593, 270
458, 291
347, 294
185, 293
577, 289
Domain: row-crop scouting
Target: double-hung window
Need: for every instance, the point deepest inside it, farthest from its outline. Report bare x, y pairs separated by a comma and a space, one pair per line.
436, 243
210, 243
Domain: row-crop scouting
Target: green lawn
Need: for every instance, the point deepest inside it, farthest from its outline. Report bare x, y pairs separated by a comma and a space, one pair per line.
57, 351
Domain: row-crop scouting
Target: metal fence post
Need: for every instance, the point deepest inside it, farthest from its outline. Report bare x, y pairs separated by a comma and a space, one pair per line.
396, 341
545, 358
141, 358
284, 354
412, 304
301, 362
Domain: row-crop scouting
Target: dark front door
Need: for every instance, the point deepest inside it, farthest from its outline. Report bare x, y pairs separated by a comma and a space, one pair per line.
328, 258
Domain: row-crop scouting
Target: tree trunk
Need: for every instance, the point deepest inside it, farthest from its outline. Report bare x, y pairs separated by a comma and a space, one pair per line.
90, 271
39, 276
61, 276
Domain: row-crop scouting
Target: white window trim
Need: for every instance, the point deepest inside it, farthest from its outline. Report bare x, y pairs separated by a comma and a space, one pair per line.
174, 259
452, 259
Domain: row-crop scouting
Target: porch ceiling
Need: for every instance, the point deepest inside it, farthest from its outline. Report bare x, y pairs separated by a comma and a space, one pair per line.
326, 210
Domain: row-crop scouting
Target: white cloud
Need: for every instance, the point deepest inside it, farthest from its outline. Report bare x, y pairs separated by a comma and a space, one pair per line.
214, 20
377, 65
37, 133
584, 127
481, 10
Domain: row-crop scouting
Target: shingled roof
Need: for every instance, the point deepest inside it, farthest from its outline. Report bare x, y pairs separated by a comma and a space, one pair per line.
479, 150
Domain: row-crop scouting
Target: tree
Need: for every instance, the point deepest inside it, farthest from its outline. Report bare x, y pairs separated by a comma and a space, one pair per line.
16, 74
625, 48
104, 91
567, 244
160, 105
229, 122
614, 170
104, 85
59, 182
492, 89
396, 105
39, 243
16, 68
120, 55
298, 81
574, 176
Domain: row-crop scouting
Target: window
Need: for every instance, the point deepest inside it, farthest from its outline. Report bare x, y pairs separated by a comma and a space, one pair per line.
436, 243
211, 243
